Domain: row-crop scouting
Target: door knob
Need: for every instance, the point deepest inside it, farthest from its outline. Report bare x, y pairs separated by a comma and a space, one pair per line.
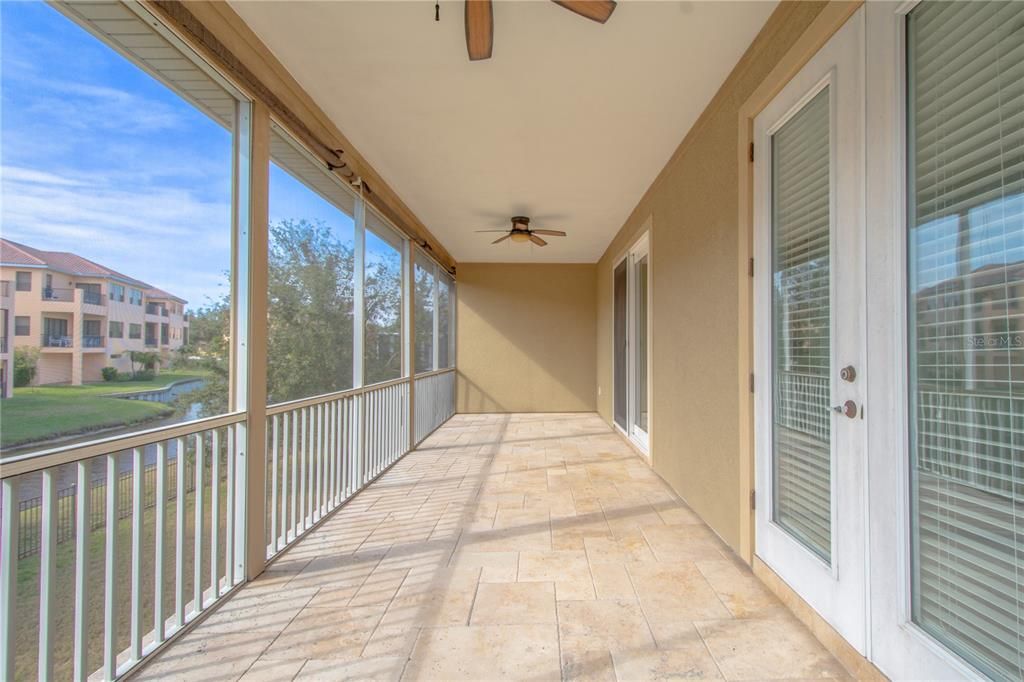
848, 373
849, 408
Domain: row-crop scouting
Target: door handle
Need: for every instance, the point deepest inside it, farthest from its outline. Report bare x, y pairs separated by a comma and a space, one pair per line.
849, 408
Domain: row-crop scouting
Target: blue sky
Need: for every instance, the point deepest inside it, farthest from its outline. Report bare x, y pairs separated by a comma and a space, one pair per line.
98, 158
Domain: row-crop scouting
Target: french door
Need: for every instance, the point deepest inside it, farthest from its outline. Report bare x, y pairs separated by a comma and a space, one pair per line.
810, 431
889, 336
631, 305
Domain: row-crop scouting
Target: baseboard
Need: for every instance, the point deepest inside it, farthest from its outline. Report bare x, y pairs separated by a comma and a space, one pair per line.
859, 667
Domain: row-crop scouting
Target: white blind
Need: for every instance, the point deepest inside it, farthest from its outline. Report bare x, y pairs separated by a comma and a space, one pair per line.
801, 334
965, 75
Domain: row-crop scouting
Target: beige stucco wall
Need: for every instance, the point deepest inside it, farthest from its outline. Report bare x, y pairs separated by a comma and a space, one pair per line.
693, 207
526, 340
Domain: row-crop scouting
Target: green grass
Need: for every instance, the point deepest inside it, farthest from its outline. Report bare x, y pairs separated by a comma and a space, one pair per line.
41, 412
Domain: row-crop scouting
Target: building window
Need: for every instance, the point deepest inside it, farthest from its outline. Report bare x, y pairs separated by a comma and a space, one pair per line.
116, 330
134, 331
135, 296
116, 293
21, 325
23, 281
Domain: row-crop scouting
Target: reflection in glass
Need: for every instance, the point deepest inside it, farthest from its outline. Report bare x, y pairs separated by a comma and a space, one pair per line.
965, 65
640, 271
801, 448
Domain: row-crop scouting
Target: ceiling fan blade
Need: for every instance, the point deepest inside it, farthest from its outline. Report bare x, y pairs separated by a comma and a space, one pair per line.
552, 233
537, 240
501, 239
479, 29
596, 10
478, 231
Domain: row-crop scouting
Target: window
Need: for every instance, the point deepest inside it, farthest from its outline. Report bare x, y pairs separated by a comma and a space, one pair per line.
116, 330
423, 301
135, 296
965, 201
116, 292
23, 281
134, 330
310, 276
382, 291
21, 325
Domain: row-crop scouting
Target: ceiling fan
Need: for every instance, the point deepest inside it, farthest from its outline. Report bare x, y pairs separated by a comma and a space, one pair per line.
521, 232
480, 21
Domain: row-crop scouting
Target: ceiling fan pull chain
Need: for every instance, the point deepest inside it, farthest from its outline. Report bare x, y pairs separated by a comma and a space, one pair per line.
437, 11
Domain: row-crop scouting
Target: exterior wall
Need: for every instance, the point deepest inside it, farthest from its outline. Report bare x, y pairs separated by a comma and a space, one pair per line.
85, 363
695, 257
526, 338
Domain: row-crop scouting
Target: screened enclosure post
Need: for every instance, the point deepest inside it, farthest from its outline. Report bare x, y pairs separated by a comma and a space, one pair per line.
436, 319
358, 299
254, 457
408, 335
9, 518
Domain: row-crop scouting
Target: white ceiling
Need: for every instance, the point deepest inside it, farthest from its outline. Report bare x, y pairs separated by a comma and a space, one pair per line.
569, 122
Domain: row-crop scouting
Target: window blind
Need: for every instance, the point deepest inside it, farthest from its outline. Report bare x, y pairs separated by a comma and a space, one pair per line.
801, 335
965, 95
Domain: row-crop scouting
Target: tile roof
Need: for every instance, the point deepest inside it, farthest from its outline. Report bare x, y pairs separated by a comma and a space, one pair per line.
13, 253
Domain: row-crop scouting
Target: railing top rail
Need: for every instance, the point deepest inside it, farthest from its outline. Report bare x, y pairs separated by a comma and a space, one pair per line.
279, 408
36, 461
433, 373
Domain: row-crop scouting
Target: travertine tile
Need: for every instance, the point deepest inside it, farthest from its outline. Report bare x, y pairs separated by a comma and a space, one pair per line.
514, 604
675, 592
326, 633
754, 649
486, 652
568, 569
505, 547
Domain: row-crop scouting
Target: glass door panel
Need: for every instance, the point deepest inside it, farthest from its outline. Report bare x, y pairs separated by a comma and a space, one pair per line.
620, 387
640, 354
802, 442
965, 241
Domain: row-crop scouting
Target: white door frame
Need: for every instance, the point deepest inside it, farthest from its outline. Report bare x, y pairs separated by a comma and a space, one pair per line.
900, 648
640, 248
836, 590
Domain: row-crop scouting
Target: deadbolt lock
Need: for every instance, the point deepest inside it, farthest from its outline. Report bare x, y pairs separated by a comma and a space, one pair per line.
848, 373
849, 409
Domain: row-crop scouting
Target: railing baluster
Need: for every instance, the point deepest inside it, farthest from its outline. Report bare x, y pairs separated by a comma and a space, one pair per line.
229, 518
110, 573
47, 574
294, 525
318, 446
83, 529
215, 514
285, 464
160, 541
8, 575
137, 506
273, 484
197, 554
303, 467
179, 532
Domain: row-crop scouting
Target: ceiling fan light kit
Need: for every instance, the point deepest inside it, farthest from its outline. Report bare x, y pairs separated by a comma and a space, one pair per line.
479, 15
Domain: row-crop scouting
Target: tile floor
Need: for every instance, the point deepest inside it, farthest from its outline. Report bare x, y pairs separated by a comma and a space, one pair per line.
526, 546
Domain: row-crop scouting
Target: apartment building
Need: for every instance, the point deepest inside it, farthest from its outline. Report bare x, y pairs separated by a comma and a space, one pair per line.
6, 347
83, 316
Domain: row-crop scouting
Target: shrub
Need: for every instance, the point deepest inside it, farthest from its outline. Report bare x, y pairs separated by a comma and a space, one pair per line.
25, 360
145, 375
109, 373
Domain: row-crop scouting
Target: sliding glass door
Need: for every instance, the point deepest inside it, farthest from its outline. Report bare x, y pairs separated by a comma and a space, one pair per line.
631, 283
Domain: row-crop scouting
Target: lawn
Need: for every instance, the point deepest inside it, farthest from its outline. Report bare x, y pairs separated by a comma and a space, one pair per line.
41, 412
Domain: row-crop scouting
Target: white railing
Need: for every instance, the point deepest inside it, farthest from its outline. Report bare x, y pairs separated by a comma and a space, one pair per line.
323, 450
435, 401
138, 535
101, 595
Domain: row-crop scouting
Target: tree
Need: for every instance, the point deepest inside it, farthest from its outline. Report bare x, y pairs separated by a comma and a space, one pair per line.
25, 360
